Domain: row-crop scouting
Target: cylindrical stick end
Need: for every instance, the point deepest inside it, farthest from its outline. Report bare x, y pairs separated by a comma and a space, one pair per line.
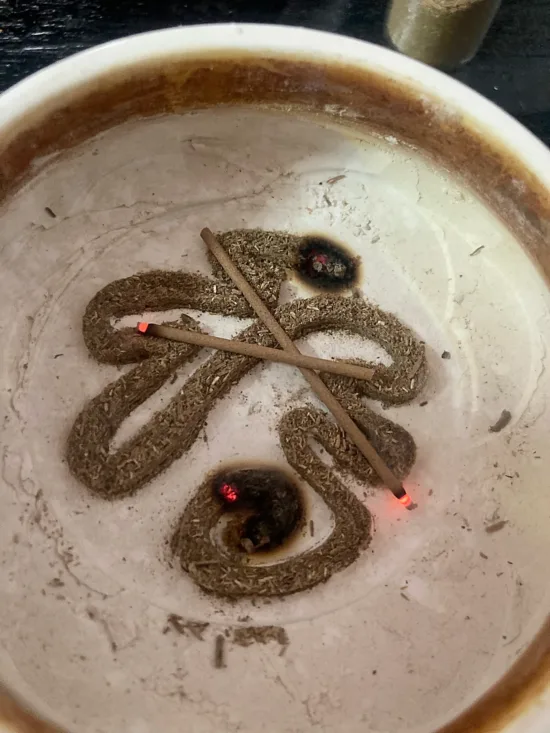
142, 327
404, 499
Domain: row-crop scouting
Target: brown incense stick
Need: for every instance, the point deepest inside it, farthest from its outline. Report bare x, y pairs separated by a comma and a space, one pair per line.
258, 352
315, 382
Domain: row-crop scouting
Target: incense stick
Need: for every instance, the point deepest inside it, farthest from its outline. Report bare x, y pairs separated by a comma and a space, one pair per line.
315, 382
258, 352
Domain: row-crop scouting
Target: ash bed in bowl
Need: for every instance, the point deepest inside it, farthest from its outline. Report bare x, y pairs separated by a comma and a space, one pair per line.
113, 619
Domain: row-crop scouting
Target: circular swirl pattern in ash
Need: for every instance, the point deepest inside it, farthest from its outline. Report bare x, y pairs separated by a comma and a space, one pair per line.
266, 505
265, 259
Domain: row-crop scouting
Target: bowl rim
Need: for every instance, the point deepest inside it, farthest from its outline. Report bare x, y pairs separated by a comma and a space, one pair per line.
41, 90
298, 43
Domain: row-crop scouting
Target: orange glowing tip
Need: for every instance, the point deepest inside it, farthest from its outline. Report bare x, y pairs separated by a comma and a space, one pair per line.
405, 500
142, 327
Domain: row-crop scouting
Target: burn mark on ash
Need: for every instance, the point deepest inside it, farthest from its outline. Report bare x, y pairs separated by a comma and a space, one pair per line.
326, 265
266, 503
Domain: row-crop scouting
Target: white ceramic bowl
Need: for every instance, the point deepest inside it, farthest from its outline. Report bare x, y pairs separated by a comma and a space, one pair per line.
110, 163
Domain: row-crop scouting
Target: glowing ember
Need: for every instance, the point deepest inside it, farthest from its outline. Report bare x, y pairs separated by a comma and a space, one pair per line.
319, 261
229, 492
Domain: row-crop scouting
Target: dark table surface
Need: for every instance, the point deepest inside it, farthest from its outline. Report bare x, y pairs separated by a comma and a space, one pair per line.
512, 68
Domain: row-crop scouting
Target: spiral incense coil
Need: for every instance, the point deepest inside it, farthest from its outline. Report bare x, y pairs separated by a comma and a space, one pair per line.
266, 258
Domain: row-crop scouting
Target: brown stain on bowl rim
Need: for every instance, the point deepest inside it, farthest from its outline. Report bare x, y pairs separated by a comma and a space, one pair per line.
18, 717
333, 91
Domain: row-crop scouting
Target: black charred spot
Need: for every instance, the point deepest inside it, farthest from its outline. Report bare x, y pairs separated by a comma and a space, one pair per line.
267, 502
326, 265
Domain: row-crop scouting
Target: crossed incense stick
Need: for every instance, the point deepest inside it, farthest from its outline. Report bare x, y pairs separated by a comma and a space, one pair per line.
288, 354
258, 352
